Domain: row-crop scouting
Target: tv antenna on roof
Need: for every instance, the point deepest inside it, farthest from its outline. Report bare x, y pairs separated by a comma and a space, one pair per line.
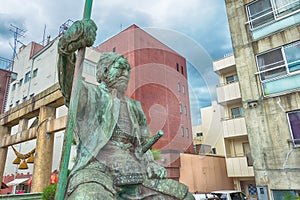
17, 33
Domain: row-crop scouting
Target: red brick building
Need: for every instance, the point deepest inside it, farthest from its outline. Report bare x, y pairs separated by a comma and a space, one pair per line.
159, 82
4, 83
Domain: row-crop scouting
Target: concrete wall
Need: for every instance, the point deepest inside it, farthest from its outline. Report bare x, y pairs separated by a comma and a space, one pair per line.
211, 127
276, 162
204, 174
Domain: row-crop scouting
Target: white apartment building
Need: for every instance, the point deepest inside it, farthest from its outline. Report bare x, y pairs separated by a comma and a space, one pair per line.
208, 137
36, 68
239, 162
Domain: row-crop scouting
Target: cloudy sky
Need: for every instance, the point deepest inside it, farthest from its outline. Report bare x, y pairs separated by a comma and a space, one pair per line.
203, 22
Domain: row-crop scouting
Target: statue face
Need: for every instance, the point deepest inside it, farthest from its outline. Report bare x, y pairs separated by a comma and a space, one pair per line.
118, 75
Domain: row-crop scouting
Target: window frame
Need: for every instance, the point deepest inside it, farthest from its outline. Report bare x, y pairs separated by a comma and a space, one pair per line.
187, 132
234, 76
14, 86
34, 73
27, 77
20, 82
274, 11
285, 63
297, 143
241, 112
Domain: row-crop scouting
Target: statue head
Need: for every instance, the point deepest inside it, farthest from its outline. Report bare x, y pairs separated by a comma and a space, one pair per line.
114, 71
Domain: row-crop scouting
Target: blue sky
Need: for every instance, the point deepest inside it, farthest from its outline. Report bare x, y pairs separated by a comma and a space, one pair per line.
202, 23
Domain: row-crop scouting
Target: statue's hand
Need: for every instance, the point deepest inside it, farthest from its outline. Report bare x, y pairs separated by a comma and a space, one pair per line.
80, 34
155, 170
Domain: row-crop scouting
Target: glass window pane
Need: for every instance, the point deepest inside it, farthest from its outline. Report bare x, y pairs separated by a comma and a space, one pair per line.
292, 54
27, 77
34, 73
286, 6
235, 112
229, 79
294, 119
260, 12
270, 62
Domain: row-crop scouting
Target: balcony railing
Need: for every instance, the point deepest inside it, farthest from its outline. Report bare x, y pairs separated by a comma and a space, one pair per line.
229, 93
234, 127
5, 63
238, 167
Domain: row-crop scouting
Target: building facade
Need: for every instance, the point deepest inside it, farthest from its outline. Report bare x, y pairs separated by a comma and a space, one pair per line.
266, 38
36, 70
163, 91
159, 81
239, 162
5, 78
208, 136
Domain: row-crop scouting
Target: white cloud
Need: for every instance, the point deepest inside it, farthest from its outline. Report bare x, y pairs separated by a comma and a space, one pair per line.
195, 18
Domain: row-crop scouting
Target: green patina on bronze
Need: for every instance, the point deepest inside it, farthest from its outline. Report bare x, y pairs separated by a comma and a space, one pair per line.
75, 85
113, 156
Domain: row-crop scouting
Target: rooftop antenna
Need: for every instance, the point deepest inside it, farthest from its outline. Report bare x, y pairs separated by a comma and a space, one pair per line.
44, 33
64, 27
17, 33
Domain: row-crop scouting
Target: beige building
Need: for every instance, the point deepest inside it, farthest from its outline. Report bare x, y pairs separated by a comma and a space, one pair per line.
203, 174
208, 137
239, 163
266, 39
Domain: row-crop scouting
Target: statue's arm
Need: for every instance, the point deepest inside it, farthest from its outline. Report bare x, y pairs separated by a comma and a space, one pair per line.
80, 34
66, 65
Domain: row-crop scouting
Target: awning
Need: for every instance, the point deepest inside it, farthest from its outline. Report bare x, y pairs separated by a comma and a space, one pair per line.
17, 181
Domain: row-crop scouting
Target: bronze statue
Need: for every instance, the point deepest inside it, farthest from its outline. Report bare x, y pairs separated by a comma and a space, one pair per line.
113, 160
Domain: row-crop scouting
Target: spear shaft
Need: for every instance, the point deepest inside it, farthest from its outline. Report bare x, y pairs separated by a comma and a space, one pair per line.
65, 158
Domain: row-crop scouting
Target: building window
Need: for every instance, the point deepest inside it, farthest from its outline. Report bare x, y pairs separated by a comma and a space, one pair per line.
199, 134
262, 12
231, 79
180, 108
185, 110
114, 49
27, 77
178, 87
177, 67
187, 133
20, 82
237, 112
32, 95
182, 132
34, 74
183, 89
247, 153
13, 87
17, 102
182, 70
278, 68
24, 98
89, 68
294, 122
